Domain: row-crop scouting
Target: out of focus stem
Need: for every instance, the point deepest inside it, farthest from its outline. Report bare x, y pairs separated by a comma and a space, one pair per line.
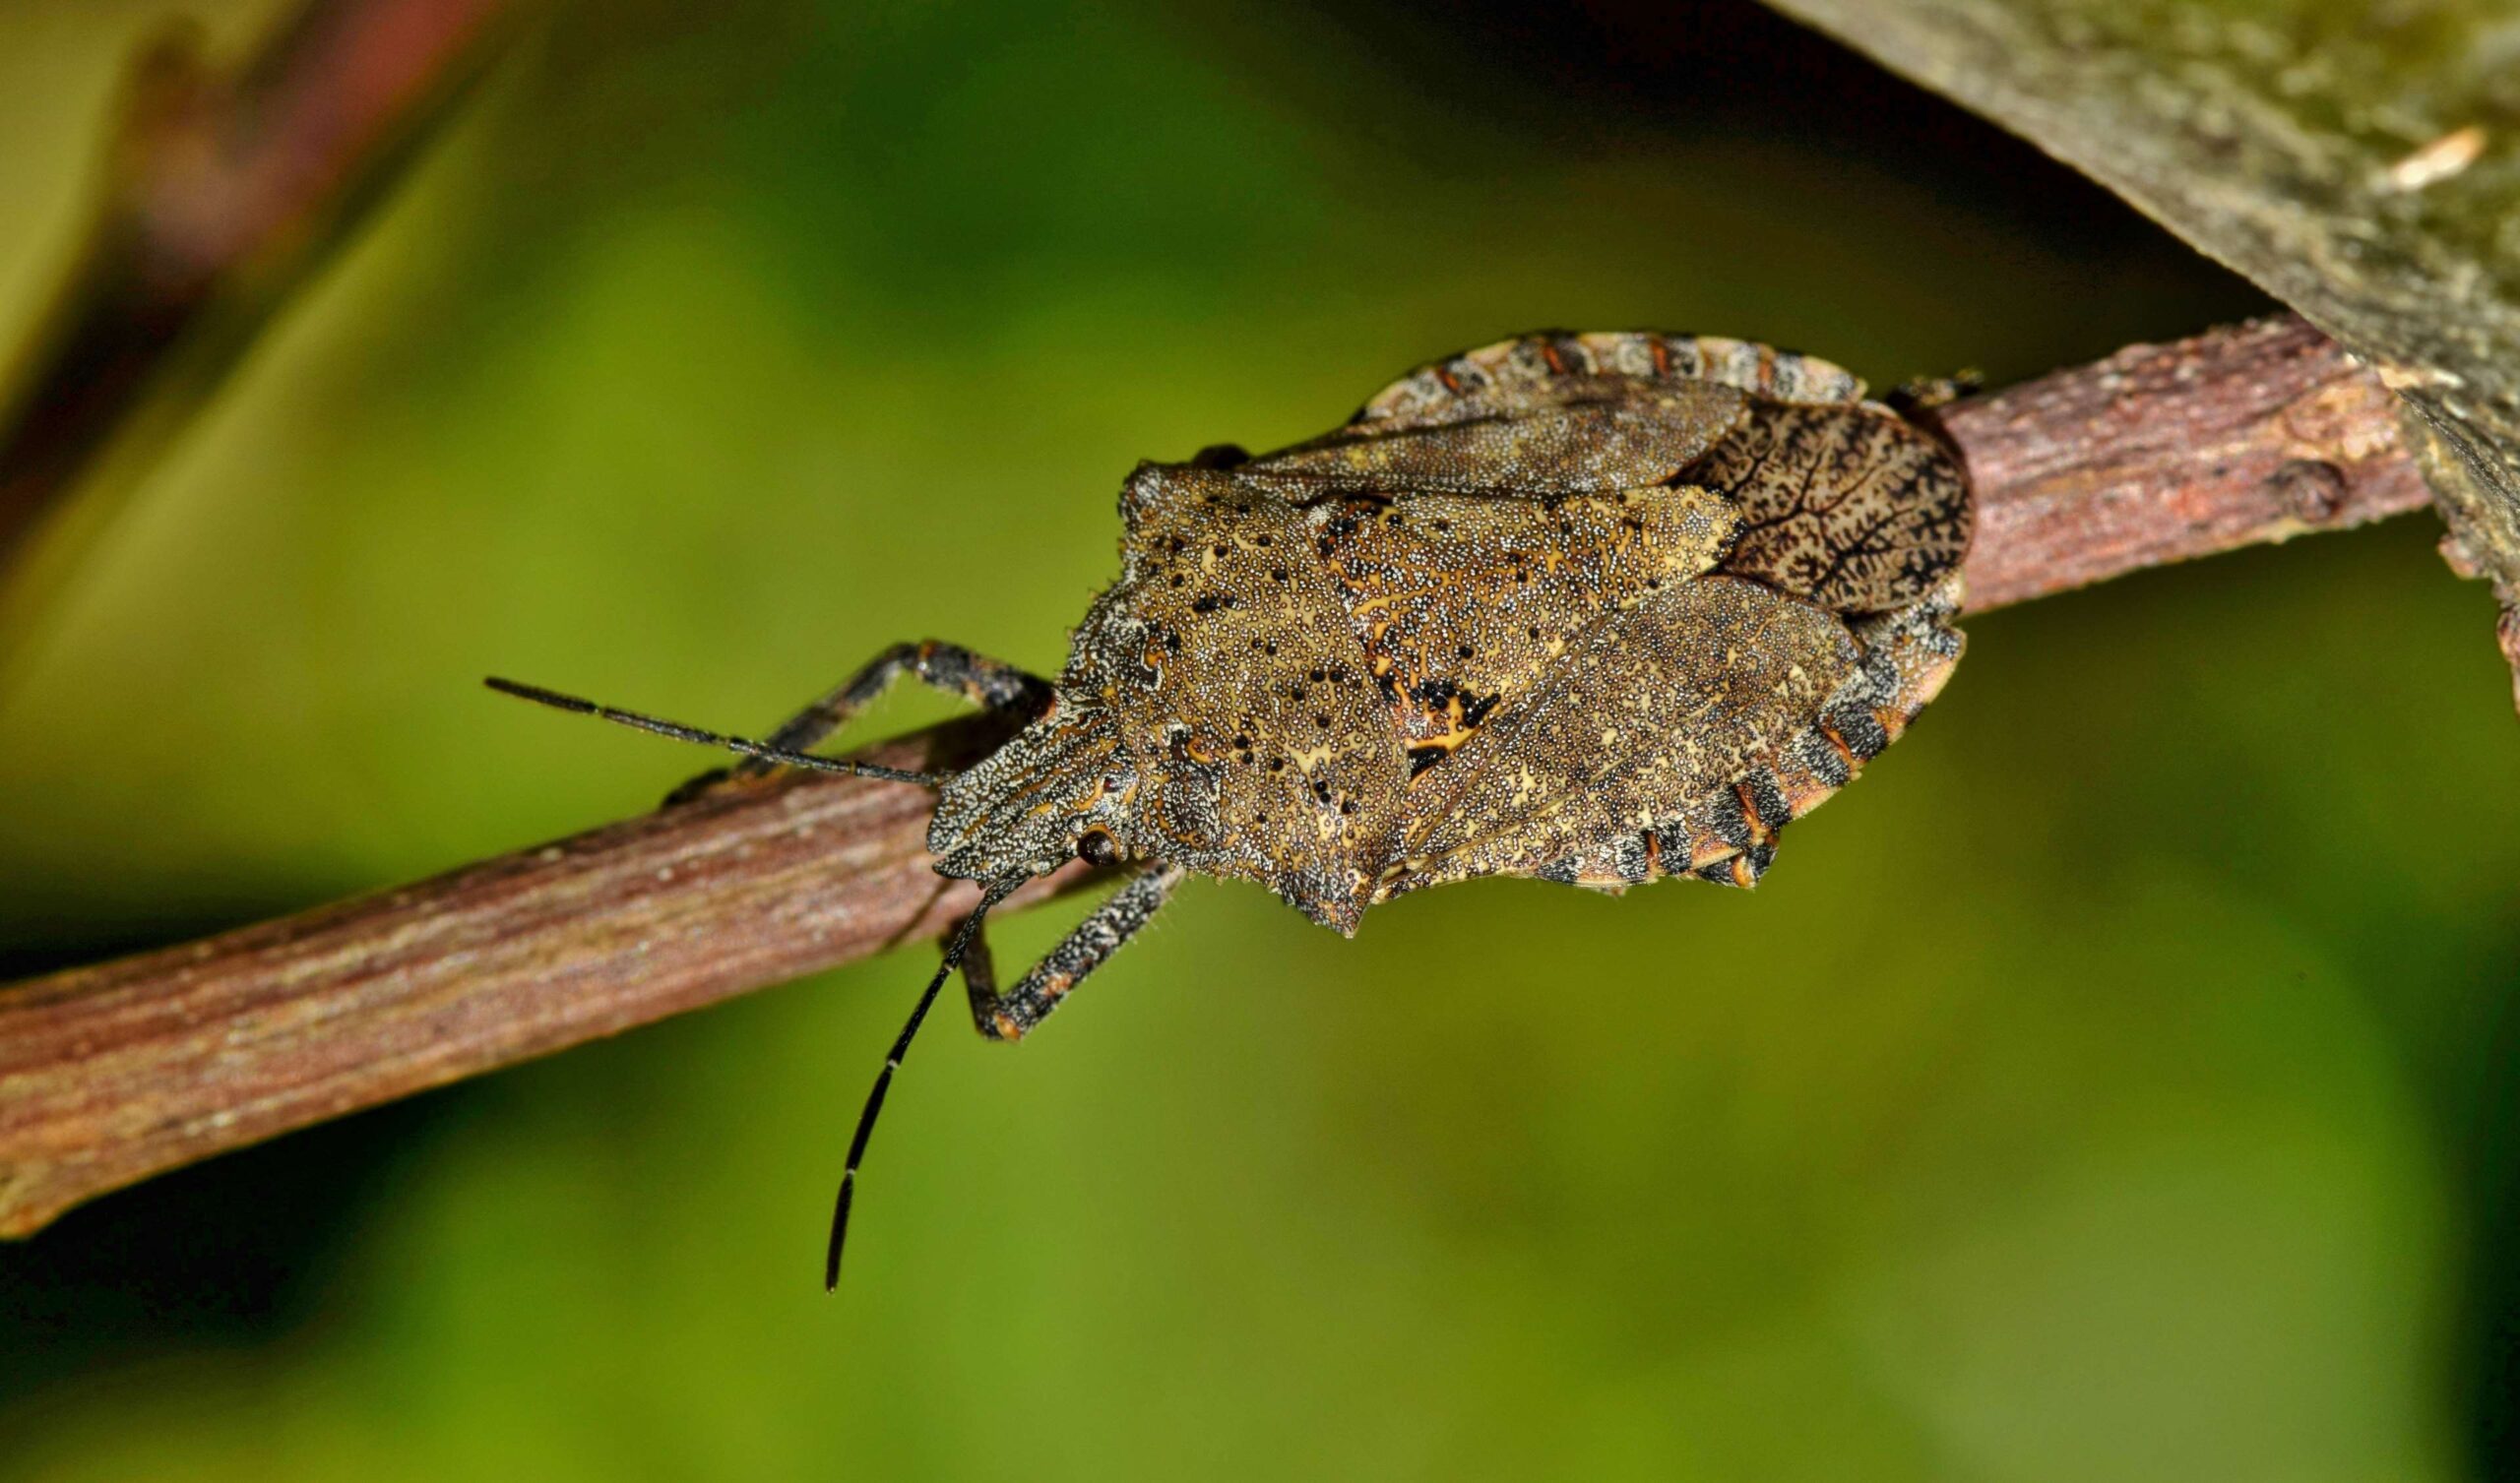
225, 192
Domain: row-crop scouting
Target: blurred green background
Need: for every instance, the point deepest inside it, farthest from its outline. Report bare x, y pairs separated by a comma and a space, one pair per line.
2119, 1083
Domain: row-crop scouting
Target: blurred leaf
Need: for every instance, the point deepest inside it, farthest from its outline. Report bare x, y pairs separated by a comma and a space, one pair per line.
2360, 162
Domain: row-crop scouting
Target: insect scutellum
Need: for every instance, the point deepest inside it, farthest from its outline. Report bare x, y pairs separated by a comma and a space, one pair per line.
1592, 608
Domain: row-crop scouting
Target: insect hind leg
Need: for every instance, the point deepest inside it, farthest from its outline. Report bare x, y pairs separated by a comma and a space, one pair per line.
990, 684
1012, 1016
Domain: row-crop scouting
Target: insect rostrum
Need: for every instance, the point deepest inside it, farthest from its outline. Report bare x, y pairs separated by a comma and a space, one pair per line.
1596, 608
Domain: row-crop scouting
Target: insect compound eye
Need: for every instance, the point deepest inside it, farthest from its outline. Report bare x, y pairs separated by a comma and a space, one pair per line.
1095, 846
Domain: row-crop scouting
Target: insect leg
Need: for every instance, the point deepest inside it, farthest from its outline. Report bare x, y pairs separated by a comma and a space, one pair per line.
1012, 1015
990, 684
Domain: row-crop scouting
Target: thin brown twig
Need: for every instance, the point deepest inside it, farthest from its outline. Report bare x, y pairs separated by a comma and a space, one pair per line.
112, 1073
2164, 452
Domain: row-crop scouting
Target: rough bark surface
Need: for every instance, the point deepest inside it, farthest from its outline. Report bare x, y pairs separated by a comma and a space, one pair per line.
114, 1073
2160, 453
2352, 163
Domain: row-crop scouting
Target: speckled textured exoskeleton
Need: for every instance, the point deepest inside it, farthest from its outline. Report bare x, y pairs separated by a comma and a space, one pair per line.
1596, 608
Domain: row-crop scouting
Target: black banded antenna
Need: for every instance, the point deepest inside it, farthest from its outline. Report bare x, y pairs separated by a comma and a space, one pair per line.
994, 892
740, 746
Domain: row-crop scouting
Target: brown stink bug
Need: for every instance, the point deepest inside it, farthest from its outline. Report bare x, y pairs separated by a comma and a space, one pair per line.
1596, 608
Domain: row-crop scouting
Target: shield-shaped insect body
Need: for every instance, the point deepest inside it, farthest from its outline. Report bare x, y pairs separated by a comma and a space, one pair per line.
1595, 608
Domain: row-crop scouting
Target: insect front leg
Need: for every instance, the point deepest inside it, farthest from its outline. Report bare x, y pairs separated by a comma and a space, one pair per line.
990, 684
1012, 1015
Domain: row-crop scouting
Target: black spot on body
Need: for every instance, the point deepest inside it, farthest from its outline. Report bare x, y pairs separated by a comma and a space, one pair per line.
1630, 861
1724, 816
1767, 799
1822, 761
1864, 736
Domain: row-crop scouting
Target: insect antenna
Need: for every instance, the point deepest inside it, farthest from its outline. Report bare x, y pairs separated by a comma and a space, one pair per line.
961, 943
740, 746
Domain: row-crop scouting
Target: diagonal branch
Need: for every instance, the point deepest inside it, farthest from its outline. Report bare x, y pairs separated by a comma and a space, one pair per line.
114, 1073
2165, 452
225, 192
